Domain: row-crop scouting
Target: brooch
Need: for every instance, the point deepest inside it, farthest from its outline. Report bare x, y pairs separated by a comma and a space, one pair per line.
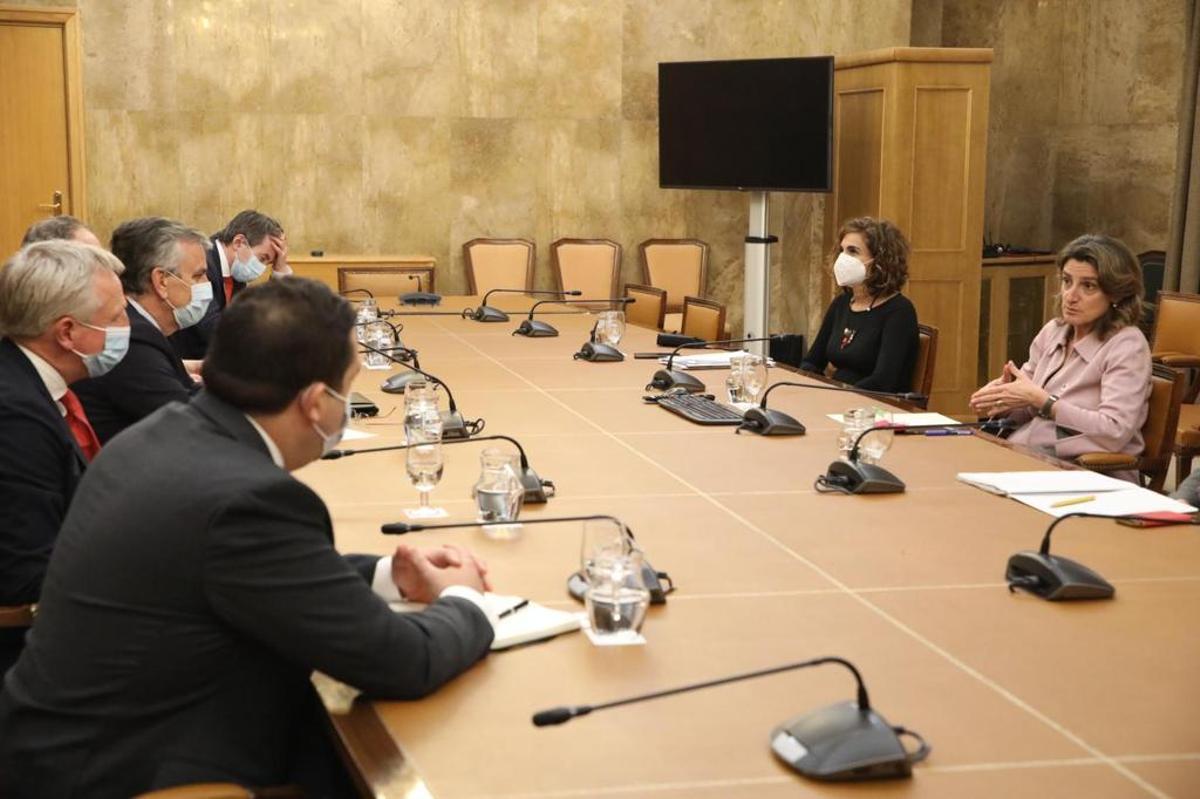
847, 337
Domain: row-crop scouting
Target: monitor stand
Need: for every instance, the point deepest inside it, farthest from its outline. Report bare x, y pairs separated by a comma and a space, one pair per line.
757, 275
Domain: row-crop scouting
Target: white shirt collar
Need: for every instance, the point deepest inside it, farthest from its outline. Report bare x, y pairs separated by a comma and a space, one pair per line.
225, 272
276, 455
138, 307
54, 382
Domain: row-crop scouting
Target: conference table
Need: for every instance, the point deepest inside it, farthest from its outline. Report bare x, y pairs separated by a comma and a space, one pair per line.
1016, 695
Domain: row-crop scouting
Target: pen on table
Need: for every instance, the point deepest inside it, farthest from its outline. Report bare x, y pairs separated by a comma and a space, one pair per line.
514, 608
949, 431
1062, 503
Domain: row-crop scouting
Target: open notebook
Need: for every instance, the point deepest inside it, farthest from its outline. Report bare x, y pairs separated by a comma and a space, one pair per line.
533, 622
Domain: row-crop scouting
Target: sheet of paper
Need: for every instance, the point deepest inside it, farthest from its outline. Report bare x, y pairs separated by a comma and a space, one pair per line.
909, 418
1109, 503
706, 360
1058, 481
356, 435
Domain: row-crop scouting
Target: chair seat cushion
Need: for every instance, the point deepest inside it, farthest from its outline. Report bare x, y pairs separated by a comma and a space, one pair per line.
1189, 427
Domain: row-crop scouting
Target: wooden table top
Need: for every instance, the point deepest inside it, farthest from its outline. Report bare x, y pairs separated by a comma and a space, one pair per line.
1016, 695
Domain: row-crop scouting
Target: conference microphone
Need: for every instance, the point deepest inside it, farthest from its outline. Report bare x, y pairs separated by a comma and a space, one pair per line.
356, 291
1054, 577
658, 583
537, 490
486, 313
420, 297
672, 378
846, 742
852, 476
405, 354
767, 422
453, 423
536, 328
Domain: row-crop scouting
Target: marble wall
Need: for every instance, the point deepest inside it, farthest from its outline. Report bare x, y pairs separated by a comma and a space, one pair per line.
1083, 113
411, 126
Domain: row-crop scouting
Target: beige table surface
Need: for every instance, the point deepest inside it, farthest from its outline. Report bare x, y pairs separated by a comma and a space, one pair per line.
1018, 697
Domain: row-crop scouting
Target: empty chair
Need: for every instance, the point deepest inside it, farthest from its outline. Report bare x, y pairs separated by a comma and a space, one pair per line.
1176, 343
1158, 431
922, 379
649, 308
499, 264
384, 282
592, 266
680, 266
703, 319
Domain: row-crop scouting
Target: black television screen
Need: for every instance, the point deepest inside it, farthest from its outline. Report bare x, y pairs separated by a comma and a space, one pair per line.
759, 124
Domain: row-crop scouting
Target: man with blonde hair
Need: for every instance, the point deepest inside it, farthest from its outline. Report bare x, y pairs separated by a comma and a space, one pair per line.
62, 318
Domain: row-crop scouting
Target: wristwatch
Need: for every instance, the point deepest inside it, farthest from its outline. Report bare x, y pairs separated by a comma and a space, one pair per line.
1047, 405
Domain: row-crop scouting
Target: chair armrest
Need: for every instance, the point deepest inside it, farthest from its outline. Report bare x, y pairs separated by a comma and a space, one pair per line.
17, 615
1177, 360
223, 790
1107, 461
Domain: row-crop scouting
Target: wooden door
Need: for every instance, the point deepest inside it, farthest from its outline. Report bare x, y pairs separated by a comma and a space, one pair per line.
41, 105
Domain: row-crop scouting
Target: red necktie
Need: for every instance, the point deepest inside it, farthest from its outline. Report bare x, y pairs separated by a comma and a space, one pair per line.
81, 428
228, 290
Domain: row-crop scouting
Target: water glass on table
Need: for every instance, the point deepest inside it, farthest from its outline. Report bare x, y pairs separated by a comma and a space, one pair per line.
610, 327
367, 312
616, 597
499, 492
871, 448
378, 336
424, 463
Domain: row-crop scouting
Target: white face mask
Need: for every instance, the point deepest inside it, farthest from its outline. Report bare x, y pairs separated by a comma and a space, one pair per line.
116, 344
331, 440
248, 270
848, 270
193, 312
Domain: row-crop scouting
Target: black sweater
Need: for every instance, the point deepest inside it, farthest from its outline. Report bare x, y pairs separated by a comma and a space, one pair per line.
875, 349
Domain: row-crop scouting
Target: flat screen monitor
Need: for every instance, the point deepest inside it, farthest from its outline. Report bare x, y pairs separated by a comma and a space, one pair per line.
759, 124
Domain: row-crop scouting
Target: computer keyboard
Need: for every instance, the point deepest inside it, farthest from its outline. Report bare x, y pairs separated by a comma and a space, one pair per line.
700, 410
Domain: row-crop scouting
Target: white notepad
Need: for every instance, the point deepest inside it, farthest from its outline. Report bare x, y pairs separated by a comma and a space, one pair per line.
910, 419
1131, 499
533, 622
1059, 481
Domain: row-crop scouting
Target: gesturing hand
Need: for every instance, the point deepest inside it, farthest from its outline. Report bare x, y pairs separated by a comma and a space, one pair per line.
1009, 392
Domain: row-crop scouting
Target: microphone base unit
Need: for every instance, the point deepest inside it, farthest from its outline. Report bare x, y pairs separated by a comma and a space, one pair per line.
856, 477
420, 298
536, 328
486, 313
665, 379
397, 382
843, 743
537, 490
768, 422
1055, 578
596, 352
453, 425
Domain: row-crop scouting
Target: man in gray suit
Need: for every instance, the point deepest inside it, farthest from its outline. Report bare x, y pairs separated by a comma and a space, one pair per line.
195, 585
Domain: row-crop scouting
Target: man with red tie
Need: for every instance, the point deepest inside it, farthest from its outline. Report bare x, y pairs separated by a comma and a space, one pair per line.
62, 319
243, 250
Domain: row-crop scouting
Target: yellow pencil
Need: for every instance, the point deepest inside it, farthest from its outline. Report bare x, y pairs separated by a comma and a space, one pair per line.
1062, 503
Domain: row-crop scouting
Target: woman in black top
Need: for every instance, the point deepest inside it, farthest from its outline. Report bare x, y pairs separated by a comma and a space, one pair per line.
869, 333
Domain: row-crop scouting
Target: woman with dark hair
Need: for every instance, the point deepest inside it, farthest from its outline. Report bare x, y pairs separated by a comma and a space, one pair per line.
869, 333
1087, 380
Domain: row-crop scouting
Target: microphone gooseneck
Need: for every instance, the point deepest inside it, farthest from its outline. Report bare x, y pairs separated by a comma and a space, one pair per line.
610, 300
400, 528
559, 715
706, 344
908, 396
418, 370
335, 454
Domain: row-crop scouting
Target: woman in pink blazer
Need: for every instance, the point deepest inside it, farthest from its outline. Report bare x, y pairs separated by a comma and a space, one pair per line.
1087, 381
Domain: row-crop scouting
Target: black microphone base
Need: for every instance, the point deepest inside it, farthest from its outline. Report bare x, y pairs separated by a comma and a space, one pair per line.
486, 313
537, 490
665, 379
536, 328
397, 382
767, 422
842, 743
863, 478
453, 425
1055, 578
421, 298
598, 353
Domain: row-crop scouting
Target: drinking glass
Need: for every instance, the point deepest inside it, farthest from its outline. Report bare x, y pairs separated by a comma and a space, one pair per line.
857, 420
424, 462
754, 370
420, 409
368, 312
378, 336
499, 492
736, 381
602, 538
616, 597
610, 327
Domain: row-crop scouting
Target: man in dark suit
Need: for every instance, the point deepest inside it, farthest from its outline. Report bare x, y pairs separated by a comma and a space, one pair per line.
63, 226
57, 301
163, 260
250, 244
196, 585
